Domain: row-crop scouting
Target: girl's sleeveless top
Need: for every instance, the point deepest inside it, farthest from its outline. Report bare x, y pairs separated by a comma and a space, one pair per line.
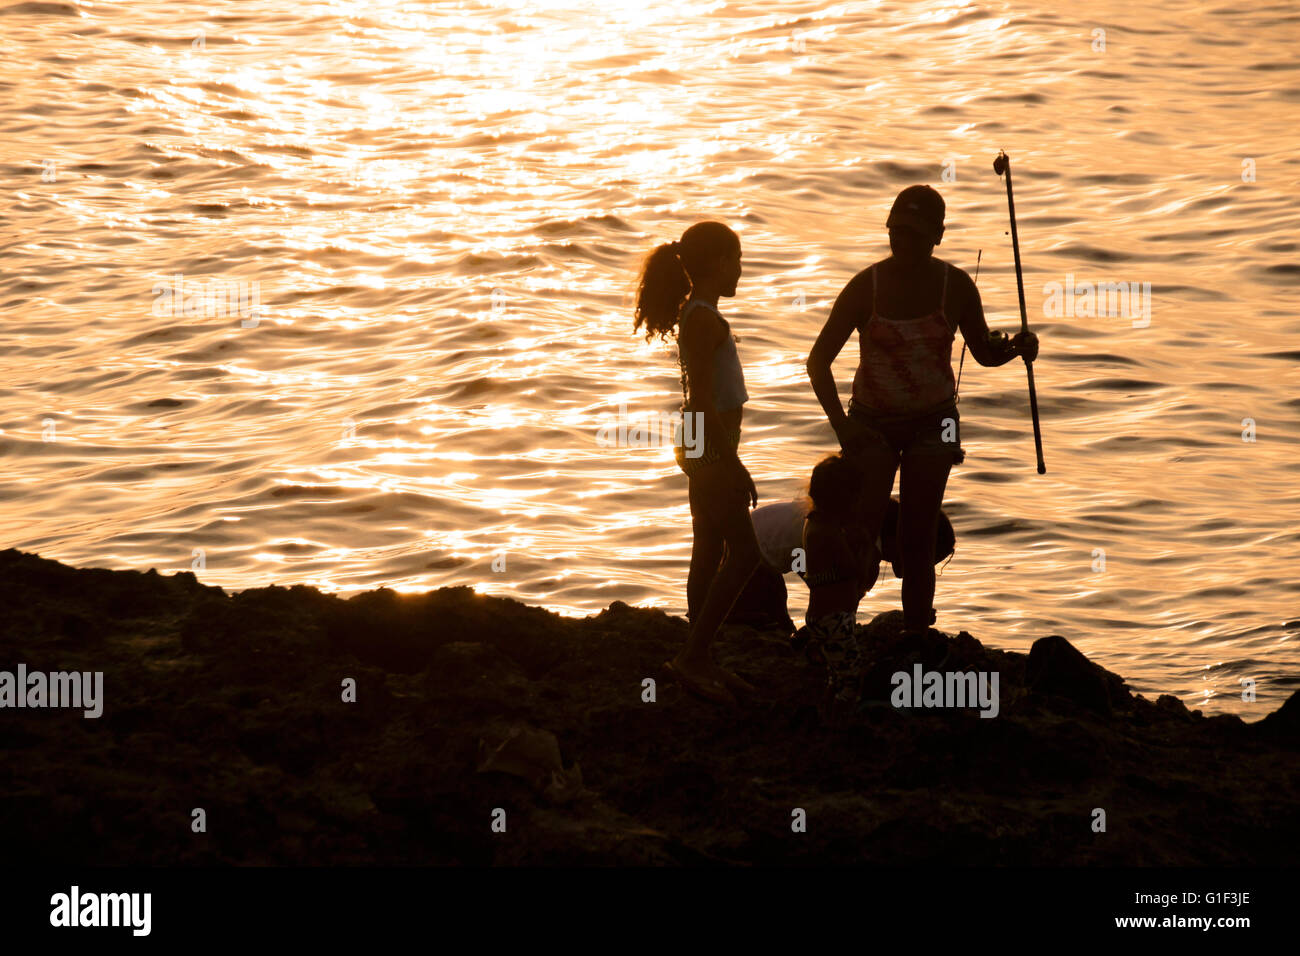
728, 378
905, 365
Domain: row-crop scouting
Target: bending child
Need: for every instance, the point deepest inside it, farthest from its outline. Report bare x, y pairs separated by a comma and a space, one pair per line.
838, 570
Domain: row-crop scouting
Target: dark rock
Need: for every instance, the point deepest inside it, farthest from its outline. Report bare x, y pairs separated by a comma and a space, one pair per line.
1284, 723
1057, 669
476, 675
1171, 706
233, 703
78, 627
400, 632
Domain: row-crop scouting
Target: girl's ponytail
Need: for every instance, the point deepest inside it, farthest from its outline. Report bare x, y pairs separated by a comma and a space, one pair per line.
661, 289
666, 274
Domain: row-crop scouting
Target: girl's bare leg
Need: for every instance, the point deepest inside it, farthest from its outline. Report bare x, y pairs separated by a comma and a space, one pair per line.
726, 505
706, 554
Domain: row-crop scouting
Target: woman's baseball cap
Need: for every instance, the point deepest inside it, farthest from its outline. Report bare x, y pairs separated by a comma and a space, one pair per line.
920, 208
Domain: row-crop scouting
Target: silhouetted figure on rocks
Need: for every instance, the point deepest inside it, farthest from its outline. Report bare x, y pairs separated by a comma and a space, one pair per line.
679, 289
906, 310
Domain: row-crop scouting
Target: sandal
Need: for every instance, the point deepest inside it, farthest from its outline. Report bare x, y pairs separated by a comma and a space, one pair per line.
700, 687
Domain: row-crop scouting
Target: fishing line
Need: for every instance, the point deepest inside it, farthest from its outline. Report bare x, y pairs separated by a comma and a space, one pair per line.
956, 391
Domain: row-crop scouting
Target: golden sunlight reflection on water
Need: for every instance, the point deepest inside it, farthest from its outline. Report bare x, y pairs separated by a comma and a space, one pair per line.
443, 206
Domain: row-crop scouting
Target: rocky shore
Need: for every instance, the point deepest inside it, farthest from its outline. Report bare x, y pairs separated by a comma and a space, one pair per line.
484, 732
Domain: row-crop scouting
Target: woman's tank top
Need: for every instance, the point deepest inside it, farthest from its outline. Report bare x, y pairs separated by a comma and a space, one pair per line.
905, 365
728, 378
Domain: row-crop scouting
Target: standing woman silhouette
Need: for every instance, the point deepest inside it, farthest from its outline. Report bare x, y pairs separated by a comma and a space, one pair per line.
906, 310
678, 291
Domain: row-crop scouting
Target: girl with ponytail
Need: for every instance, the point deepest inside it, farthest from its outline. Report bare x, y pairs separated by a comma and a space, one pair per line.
677, 293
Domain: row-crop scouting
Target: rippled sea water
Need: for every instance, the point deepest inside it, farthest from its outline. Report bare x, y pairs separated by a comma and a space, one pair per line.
440, 208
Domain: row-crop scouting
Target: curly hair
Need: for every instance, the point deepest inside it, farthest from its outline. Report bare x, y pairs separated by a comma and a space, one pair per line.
665, 277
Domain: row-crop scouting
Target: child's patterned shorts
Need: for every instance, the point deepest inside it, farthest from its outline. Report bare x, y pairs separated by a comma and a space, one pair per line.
834, 638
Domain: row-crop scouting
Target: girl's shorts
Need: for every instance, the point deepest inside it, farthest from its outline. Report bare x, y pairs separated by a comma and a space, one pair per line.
709, 454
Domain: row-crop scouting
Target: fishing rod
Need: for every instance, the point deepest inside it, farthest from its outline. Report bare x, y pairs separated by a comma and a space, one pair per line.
1002, 166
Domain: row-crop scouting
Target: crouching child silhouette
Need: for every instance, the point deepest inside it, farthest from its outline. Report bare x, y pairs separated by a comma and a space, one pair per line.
842, 566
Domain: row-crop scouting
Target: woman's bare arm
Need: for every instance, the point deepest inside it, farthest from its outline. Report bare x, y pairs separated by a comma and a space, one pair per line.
990, 349
844, 318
